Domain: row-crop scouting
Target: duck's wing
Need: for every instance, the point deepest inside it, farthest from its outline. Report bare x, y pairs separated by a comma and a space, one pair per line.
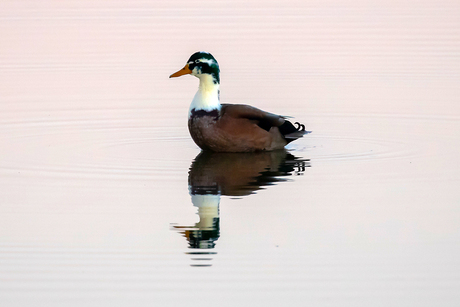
264, 120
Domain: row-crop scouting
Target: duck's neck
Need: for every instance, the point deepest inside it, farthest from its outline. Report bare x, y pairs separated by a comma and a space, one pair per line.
207, 97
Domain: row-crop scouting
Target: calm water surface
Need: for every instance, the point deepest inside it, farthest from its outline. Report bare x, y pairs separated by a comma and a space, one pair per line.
106, 201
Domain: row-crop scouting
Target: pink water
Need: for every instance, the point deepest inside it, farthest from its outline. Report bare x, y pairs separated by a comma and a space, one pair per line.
95, 154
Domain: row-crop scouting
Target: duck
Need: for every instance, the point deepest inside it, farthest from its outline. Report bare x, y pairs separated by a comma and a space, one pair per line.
221, 127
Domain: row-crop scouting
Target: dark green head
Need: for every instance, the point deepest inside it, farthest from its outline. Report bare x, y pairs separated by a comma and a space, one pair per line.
200, 63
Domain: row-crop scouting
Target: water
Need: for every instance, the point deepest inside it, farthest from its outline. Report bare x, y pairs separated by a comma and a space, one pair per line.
106, 201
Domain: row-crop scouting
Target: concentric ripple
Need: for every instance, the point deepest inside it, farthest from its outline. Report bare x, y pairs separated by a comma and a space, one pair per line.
95, 146
131, 143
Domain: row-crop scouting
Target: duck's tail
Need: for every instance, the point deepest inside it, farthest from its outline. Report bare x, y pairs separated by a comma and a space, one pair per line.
292, 132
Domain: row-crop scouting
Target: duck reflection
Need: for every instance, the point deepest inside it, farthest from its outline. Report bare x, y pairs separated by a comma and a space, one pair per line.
212, 175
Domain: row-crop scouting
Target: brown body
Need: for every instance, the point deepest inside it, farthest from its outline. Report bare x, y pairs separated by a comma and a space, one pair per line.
237, 128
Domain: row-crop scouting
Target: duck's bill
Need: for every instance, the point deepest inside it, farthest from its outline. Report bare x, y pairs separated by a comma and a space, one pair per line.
184, 71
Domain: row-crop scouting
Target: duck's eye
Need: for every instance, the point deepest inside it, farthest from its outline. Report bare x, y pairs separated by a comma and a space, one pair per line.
197, 61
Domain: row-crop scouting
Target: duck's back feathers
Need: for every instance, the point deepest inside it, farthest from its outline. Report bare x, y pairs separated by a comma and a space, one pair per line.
252, 113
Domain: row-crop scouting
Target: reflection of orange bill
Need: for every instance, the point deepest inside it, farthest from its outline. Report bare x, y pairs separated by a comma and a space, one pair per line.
183, 71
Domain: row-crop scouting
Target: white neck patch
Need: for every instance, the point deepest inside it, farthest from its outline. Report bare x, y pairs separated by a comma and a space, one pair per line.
207, 96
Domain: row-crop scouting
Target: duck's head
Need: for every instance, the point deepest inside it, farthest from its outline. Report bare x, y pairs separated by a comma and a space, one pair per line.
200, 64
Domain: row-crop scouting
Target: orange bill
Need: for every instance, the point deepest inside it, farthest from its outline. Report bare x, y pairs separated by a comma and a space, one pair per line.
183, 71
